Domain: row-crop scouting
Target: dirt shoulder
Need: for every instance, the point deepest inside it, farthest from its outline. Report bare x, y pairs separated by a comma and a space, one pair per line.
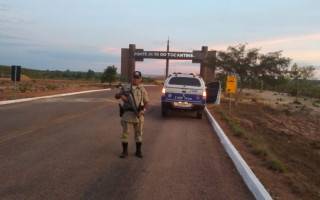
279, 139
33, 88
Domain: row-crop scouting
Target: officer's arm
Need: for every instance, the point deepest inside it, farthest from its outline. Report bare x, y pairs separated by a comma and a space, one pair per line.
146, 105
142, 111
121, 96
145, 100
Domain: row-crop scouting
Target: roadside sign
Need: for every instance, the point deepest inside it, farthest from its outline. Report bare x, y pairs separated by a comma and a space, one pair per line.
231, 84
15, 76
15, 73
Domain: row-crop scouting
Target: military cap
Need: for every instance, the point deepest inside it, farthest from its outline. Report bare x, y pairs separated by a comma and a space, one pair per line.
136, 74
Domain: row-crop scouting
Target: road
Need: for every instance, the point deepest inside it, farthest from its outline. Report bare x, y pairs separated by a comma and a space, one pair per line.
69, 147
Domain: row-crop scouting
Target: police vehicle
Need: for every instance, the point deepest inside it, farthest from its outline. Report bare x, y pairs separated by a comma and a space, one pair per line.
184, 92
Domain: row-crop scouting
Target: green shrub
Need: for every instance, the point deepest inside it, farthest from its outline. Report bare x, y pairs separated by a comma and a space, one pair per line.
260, 150
239, 132
296, 102
304, 107
51, 87
316, 103
287, 111
23, 88
275, 164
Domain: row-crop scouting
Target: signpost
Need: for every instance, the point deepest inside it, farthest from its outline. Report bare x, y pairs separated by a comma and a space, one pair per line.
231, 87
164, 55
130, 55
231, 84
15, 76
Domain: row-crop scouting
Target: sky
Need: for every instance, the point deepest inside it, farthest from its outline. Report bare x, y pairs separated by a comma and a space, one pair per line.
88, 34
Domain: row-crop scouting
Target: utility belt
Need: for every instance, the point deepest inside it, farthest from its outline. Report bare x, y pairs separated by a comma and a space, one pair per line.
124, 108
129, 109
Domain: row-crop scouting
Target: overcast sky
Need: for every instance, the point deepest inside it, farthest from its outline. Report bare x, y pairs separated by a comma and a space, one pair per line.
88, 34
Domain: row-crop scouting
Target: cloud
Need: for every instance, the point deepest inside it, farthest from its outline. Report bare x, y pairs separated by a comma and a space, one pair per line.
287, 39
309, 37
12, 18
9, 45
116, 51
7, 37
302, 49
62, 55
3, 7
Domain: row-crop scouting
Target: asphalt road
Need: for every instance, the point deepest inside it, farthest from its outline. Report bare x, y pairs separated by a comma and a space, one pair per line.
69, 147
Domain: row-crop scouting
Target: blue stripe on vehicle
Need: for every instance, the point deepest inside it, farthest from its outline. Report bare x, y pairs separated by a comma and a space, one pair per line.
183, 97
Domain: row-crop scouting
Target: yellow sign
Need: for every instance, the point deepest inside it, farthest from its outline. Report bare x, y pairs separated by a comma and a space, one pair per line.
231, 84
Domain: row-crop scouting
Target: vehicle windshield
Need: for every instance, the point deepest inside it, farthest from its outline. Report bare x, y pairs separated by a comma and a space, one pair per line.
185, 81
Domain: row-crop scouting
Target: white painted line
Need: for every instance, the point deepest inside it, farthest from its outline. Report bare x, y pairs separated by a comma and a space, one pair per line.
248, 176
51, 96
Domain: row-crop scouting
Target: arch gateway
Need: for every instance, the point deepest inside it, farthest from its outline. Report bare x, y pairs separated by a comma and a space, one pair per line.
130, 55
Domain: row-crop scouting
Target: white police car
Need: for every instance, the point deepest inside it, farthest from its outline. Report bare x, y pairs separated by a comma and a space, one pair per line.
186, 92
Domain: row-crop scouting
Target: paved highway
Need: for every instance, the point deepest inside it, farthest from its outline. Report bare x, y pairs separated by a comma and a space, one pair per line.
69, 147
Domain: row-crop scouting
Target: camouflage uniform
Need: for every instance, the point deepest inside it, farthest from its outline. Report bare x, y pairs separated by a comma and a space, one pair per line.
129, 118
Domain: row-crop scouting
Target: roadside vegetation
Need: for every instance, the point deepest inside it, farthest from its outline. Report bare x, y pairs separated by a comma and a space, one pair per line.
5, 72
109, 75
283, 150
269, 71
34, 82
279, 139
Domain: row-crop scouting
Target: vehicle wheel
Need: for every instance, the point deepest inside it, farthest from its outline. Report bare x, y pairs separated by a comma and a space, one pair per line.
199, 114
164, 111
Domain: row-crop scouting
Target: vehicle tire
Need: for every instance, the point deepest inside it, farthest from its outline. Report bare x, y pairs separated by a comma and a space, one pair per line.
164, 111
199, 114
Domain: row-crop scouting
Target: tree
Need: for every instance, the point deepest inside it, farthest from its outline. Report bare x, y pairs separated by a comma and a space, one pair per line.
300, 76
90, 74
66, 74
273, 68
249, 65
109, 75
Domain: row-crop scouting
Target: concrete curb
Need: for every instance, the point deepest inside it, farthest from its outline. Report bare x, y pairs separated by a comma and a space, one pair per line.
51, 96
248, 176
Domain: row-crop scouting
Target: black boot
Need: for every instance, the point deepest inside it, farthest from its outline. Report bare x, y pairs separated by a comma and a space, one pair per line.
138, 151
125, 150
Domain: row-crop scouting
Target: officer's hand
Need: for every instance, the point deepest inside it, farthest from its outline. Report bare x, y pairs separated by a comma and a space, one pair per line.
141, 112
124, 98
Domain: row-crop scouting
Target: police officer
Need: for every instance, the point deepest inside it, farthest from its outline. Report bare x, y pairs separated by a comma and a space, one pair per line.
139, 98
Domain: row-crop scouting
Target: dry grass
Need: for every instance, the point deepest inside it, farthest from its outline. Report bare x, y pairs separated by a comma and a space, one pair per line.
279, 139
32, 88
